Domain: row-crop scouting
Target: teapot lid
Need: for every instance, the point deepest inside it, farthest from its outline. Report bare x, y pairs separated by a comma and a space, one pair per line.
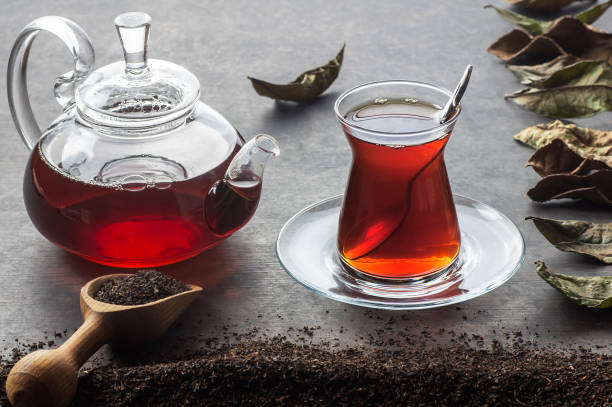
138, 92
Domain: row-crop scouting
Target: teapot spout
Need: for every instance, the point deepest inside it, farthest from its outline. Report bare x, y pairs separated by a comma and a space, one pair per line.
248, 165
232, 201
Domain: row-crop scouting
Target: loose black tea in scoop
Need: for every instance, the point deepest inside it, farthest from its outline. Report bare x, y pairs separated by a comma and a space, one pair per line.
51, 375
140, 288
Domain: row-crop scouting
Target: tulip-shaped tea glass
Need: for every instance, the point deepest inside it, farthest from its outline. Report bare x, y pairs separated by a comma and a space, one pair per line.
399, 238
398, 218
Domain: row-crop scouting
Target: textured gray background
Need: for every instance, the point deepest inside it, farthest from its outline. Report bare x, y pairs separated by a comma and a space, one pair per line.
222, 42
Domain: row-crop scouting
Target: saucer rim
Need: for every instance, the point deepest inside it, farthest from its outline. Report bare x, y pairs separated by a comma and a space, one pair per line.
402, 306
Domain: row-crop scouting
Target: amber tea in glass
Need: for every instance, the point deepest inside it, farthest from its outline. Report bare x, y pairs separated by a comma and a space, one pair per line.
398, 219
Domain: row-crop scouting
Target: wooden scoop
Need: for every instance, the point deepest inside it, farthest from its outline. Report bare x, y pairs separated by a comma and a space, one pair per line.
49, 377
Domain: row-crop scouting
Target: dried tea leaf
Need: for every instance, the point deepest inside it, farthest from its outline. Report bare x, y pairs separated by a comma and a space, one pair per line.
535, 27
529, 74
595, 187
519, 45
531, 25
591, 15
305, 87
587, 143
575, 74
592, 292
542, 5
565, 102
582, 73
581, 40
567, 36
576, 236
579, 90
510, 44
558, 158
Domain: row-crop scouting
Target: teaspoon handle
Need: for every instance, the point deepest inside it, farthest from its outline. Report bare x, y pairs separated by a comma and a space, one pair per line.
453, 102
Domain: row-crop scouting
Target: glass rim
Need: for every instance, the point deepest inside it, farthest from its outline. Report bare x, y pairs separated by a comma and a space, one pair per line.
448, 123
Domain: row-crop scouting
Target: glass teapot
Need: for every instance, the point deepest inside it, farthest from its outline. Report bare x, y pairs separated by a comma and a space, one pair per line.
136, 171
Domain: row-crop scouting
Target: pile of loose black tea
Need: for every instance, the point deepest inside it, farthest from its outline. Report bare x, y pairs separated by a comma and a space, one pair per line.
18, 349
140, 288
273, 371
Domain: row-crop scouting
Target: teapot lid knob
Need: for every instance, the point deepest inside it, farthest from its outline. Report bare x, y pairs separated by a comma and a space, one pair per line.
133, 29
139, 93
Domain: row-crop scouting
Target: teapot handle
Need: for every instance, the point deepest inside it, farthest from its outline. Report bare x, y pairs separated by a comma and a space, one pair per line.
65, 85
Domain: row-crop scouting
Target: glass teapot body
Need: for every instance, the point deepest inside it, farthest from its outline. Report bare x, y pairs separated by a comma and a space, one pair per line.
132, 207
123, 178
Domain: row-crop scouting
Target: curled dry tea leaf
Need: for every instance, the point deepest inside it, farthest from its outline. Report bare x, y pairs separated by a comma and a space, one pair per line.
565, 102
532, 25
530, 74
305, 87
591, 15
519, 45
592, 292
595, 187
543, 5
567, 36
558, 158
576, 236
577, 74
581, 40
579, 90
535, 27
587, 143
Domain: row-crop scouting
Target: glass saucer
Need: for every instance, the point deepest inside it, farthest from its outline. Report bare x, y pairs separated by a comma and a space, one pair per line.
492, 250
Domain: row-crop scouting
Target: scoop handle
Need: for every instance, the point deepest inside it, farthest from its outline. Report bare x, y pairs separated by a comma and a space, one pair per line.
83, 55
49, 377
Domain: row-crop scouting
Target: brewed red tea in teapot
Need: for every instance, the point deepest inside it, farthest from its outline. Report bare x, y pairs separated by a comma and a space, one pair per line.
137, 171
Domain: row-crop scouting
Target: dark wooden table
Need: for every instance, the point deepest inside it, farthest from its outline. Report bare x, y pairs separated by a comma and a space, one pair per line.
222, 42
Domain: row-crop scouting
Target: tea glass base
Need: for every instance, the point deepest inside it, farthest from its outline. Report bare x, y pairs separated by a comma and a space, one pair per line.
492, 250
395, 280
